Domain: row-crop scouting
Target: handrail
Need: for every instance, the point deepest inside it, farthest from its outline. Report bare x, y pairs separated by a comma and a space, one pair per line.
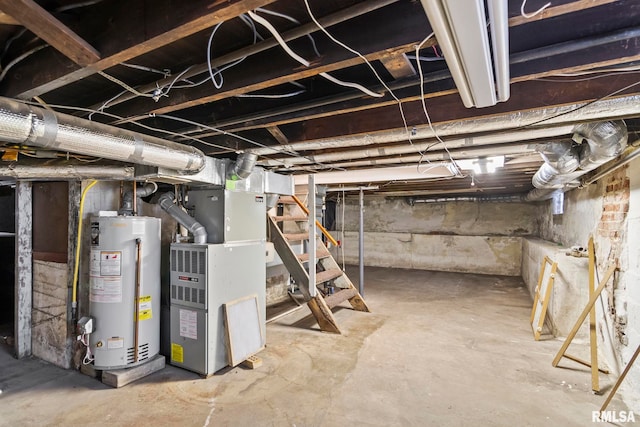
324, 230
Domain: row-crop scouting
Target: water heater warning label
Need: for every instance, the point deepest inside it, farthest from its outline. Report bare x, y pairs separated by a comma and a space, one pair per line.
105, 289
105, 276
188, 324
144, 308
110, 263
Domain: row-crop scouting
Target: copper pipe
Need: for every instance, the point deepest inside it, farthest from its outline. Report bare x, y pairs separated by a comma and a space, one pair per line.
137, 297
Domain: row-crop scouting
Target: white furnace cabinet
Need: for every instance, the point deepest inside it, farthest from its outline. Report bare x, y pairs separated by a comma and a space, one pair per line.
203, 278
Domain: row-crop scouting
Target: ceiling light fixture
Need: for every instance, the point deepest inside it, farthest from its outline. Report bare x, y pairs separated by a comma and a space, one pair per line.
461, 30
400, 173
481, 165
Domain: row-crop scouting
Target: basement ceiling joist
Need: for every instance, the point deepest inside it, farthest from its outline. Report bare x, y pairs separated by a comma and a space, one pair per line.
573, 52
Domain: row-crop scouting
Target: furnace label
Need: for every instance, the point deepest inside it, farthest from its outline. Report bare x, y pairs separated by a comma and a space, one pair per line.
188, 324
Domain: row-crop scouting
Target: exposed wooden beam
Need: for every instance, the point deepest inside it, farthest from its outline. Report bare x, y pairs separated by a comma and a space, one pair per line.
524, 96
578, 61
399, 66
278, 135
173, 20
563, 9
378, 39
7, 20
40, 22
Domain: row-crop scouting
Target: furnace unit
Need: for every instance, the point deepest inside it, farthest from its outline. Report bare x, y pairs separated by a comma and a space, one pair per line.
230, 266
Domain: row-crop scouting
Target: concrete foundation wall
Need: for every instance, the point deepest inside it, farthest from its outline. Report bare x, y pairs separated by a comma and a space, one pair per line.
470, 237
570, 292
610, 211
466, 254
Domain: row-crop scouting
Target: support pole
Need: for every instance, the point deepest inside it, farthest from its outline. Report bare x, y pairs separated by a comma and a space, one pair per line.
24, 269
312, 235
361, 244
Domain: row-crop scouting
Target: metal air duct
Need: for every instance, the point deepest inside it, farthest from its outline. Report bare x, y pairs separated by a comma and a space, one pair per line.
564, 164
199, 232
33, 126
551, 116
243, 166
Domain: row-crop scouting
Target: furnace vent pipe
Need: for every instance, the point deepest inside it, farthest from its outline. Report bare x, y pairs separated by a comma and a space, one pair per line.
145, 190
243, 166
199, 232
33, 126
564, 163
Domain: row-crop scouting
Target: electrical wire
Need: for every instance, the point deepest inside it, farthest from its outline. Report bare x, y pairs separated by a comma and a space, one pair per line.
295, 21
242, 138
306, 63
384, 84
614, 93
275, 96
151, 128
77, 5
212, 74
426, 112
165, 73
531, 15
11, 40
615, 73
426, 58
124, 85
19, 59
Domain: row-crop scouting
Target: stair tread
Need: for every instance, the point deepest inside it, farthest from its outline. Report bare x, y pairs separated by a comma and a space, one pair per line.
279, 218
325, 276
320, 253
287, 200
292, 237
340, 296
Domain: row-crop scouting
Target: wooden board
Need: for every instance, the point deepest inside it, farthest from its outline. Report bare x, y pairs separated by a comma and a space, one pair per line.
121, 377
243, 329
542, 296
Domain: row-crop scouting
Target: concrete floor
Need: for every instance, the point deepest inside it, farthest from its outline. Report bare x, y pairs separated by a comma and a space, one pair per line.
439, 349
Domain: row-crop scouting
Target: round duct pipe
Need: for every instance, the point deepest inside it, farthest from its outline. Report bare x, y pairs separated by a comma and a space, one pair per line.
604, 142
550, 116
34, 126
243, 166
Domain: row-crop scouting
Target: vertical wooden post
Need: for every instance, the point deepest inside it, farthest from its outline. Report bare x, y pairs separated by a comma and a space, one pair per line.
24, 269
593, 338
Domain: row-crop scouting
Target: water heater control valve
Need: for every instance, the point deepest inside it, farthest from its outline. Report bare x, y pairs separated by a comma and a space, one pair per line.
86, 325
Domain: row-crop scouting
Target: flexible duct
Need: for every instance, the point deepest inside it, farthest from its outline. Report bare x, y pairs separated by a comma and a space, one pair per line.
471, 143
565, 163
243, 166
552, 116
183, 218
33, 126
145, 190
59, 172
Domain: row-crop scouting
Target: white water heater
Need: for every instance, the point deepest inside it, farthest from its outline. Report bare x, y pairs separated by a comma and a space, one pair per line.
124, 293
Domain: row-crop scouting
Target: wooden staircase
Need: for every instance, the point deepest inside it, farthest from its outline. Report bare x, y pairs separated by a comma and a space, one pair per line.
332, 285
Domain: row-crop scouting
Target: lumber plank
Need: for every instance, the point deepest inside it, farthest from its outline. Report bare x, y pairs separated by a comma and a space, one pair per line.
121, 377
40, 22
